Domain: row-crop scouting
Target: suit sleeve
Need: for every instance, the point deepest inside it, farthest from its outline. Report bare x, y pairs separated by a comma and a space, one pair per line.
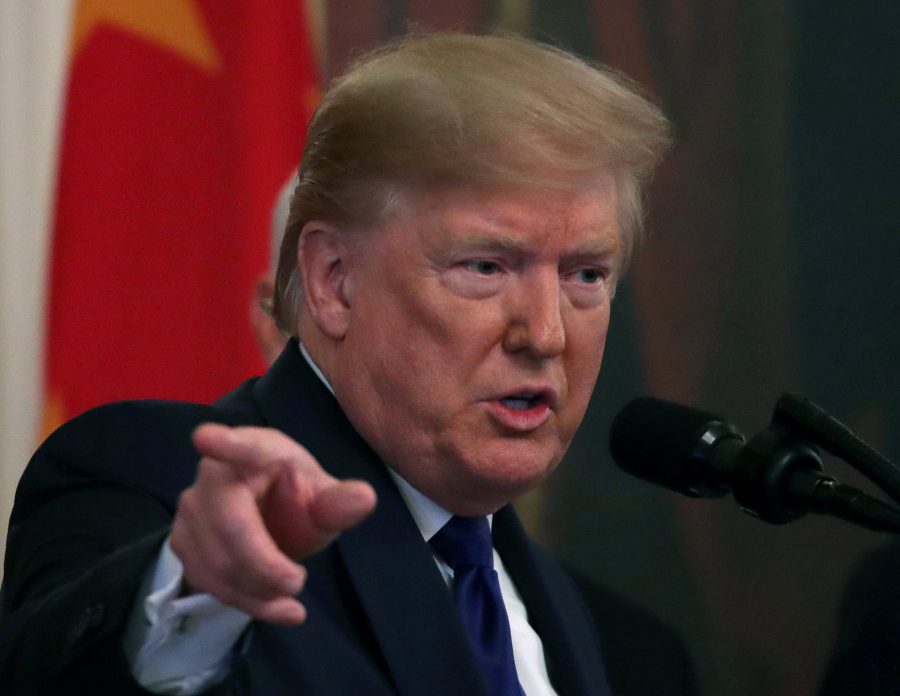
91, 512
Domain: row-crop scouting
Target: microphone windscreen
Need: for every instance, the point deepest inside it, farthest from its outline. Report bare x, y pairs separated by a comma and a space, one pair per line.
656, 440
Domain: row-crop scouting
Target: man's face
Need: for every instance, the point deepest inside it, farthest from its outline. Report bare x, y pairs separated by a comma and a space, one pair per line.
476, 331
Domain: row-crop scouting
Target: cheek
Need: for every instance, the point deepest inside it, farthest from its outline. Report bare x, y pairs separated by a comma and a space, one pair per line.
583, 361
410, 357
444, 337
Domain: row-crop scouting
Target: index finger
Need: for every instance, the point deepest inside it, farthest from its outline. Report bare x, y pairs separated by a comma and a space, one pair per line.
257, 449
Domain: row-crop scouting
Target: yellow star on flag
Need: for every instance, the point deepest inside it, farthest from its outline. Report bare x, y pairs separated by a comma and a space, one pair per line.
174, 24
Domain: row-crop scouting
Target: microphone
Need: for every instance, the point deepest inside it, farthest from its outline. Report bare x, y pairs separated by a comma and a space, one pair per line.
680, 448
775, 476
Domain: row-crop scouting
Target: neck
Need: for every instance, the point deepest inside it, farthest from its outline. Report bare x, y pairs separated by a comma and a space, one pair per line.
318, 346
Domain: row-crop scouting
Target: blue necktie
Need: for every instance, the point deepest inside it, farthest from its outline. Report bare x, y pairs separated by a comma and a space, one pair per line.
465, 545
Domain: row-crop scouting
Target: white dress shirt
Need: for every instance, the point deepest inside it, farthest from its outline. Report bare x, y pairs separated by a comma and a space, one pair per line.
182, 645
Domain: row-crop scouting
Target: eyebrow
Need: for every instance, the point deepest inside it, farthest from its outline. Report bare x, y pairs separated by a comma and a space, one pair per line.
502, 242
493, 242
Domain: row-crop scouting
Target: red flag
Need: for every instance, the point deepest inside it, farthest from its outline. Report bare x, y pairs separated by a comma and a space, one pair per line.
184, 118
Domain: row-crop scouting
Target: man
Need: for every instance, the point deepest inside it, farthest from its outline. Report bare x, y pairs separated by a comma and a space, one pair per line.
464, 209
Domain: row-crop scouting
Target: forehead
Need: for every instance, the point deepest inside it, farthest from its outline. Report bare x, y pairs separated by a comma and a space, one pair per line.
582, 214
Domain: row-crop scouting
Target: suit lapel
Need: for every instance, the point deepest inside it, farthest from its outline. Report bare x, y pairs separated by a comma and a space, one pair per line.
390, 566
555, 611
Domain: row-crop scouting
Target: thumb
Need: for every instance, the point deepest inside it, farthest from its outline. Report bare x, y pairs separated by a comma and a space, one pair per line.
303, 522
341, 506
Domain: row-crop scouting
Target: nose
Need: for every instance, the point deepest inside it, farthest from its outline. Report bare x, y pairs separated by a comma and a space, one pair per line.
535, 320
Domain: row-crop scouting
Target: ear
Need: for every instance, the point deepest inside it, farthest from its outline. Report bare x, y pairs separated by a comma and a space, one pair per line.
323, 256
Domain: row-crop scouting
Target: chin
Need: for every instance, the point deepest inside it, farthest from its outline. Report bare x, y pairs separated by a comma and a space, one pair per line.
514, 470
482, 475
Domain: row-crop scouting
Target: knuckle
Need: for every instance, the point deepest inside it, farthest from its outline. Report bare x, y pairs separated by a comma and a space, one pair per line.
271, 574
177, 535
187, 501
208, 470
233, 527
224, 567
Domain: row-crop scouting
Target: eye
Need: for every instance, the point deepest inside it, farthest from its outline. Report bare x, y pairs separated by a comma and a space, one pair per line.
483, 267
589, 275
477, 278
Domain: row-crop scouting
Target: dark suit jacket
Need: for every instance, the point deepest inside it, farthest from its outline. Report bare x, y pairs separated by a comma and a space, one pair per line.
96, 502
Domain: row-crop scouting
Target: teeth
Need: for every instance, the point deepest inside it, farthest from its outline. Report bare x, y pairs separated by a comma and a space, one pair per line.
517, 404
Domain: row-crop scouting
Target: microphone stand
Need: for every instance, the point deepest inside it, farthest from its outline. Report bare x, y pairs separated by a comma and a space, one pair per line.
779, 475
809, 421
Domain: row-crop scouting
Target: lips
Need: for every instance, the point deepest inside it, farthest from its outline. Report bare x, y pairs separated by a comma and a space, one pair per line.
523, 410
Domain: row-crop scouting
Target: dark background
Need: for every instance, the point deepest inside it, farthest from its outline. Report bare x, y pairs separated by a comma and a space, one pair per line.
771, 264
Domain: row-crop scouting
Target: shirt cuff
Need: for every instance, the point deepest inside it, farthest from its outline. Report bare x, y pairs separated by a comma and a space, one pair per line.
179, 645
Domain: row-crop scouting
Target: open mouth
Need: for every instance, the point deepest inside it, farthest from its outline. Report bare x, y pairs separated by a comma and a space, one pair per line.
522, 402
524, 411
528, 399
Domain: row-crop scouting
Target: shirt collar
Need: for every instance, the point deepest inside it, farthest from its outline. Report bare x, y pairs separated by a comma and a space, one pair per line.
315, 368
429, 516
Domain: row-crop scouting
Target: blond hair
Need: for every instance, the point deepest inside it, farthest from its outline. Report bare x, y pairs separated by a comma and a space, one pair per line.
472, 110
